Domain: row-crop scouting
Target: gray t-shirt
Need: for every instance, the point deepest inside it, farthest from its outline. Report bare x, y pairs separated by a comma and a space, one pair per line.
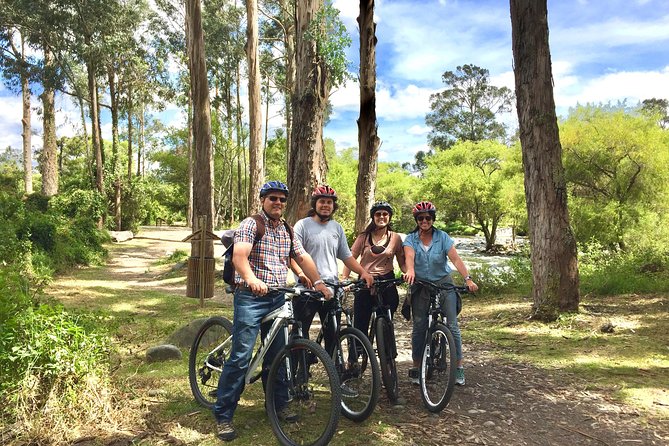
325, 243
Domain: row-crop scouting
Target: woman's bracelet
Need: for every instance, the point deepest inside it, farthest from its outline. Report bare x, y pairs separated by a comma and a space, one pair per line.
318, 282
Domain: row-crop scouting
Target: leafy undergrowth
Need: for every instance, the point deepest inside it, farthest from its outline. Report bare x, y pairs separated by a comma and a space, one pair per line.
618, 344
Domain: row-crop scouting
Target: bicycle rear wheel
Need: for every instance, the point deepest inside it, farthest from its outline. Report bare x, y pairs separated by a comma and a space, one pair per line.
305, 371
385, 345
437, 368
211, 347
359, 374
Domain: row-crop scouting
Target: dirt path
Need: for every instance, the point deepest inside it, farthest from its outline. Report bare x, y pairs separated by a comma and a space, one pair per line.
502, 403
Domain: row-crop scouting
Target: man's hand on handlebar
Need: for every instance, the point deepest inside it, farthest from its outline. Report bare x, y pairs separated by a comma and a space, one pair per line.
327, 294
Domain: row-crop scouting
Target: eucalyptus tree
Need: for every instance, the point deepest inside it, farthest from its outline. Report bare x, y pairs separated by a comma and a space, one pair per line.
16, 69
256, 167
467, 110
368, 139
320, 65
553, 245
203, 172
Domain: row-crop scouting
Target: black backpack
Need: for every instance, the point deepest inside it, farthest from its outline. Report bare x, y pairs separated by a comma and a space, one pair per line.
228, 241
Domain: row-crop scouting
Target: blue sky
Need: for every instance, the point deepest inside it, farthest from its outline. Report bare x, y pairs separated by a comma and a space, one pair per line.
602, 51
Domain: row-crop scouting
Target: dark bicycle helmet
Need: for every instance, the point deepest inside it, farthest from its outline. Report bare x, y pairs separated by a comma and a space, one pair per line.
324, 191
422, 207
273, 186
380, 205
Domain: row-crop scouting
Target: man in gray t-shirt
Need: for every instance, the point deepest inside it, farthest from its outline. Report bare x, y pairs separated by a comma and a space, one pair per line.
325, 241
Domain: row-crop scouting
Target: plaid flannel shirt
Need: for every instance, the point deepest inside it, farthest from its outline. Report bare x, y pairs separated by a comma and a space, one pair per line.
269, 257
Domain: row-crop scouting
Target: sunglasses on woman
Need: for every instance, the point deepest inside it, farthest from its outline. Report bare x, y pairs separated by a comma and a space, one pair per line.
424, 217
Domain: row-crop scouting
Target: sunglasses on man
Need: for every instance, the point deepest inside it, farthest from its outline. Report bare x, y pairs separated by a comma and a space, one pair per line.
274, 198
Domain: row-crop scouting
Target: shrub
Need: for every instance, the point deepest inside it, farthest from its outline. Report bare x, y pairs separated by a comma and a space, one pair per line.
52, 362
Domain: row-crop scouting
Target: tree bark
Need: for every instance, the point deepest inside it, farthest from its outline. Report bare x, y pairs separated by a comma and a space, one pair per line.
113, 97
288, 10
256, 166
203, 170
130, 128
49, 161
26, 126
141, 142
368, 139
553, 246
308, 166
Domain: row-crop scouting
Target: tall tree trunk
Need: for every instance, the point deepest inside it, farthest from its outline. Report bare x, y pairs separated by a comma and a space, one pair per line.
203, 173
256, 166
189, 143
189, 137
102, 141
87, 145
95, 124
553, 246
368, 139
288, 9
141, 156
49, 161
130, 128
308, 165
243, 203
113, 96
25, 123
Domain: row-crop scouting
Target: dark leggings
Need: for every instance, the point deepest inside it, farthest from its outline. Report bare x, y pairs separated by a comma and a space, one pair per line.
363, 303
305, 309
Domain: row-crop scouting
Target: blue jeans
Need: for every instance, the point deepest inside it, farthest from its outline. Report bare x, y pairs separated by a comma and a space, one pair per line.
249, 311
420, 307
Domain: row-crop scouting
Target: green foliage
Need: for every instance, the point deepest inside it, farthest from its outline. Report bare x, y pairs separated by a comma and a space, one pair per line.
514, 277
332, 39
477, 179
466, 111
640, 270
615, 165
45, 351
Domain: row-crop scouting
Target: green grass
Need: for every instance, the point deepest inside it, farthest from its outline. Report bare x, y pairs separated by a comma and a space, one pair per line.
631, 364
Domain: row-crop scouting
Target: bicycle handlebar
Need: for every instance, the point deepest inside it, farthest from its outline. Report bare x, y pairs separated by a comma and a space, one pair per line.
298, 291
443, 286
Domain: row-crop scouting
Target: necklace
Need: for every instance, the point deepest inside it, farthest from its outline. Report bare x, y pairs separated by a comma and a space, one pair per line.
378, 248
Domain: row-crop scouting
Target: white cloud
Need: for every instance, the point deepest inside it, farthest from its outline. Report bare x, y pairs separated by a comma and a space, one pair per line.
418, 130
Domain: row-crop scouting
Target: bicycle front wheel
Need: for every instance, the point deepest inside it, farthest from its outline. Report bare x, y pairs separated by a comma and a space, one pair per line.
211, 347
437, 368
385, 345
359, 374
302, 396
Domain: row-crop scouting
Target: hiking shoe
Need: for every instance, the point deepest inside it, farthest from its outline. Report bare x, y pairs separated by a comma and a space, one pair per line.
460, 376
413, 376
347, 392
287, 415
226, 431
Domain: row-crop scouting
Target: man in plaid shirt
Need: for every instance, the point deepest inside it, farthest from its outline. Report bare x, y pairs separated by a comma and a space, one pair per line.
258, 266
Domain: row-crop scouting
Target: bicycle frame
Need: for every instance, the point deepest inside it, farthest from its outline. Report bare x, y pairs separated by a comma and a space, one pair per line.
283, 318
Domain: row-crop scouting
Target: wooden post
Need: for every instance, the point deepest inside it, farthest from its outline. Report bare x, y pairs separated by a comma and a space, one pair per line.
203, 225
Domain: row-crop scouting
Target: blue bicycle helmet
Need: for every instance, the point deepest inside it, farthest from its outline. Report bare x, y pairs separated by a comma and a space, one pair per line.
273, 186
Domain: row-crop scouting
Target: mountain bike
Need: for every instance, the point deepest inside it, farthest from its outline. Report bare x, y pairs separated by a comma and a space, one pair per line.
354, 358
438, 359
314, 393
382, 330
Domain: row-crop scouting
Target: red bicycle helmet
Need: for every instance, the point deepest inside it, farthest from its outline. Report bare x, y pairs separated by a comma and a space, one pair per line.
422, 207
324, 191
